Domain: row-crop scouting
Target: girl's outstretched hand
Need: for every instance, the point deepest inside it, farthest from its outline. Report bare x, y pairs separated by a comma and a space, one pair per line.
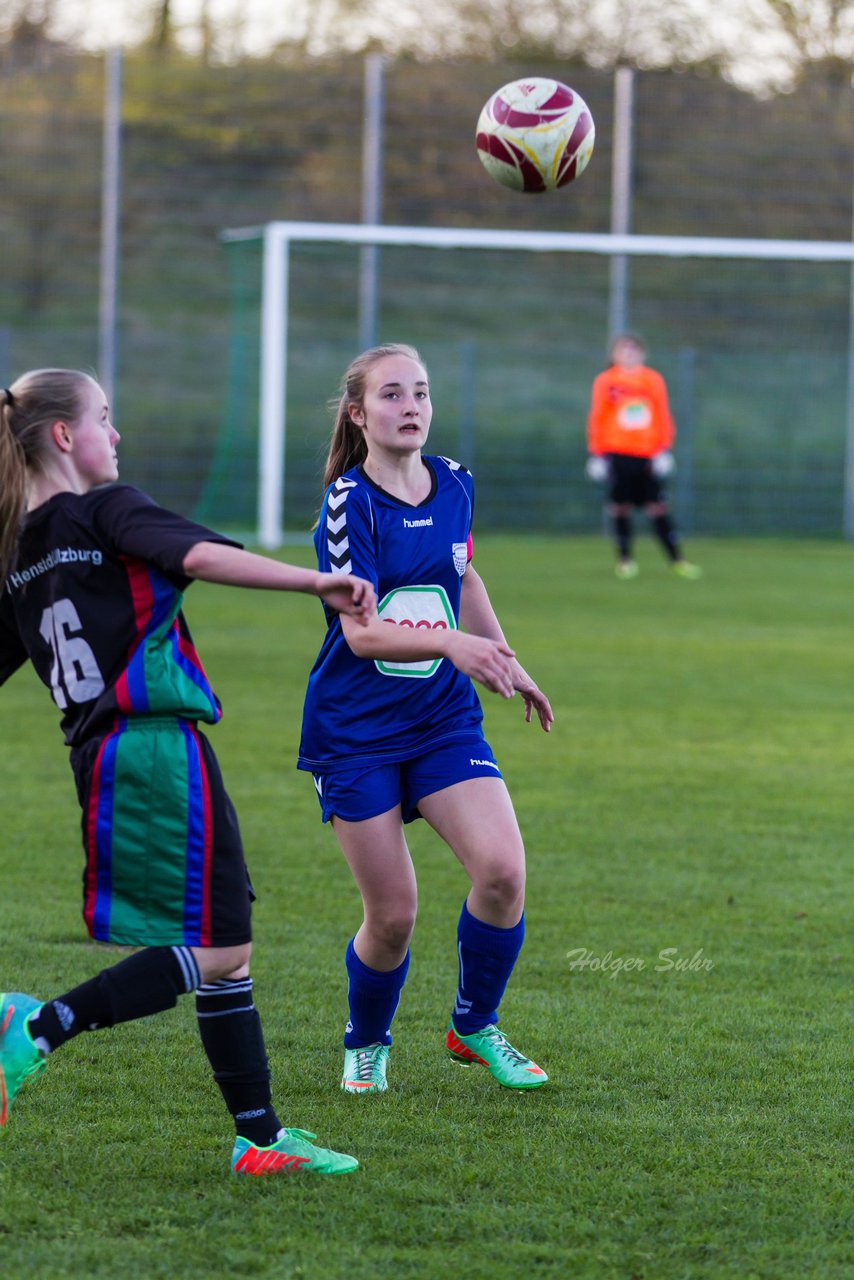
534, 698
348, 594
490, 662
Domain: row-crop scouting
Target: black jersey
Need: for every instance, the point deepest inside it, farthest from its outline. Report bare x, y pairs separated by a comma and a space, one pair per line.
94, 601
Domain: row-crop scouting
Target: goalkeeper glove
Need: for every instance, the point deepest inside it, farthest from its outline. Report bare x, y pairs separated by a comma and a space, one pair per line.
663, 464
597, 468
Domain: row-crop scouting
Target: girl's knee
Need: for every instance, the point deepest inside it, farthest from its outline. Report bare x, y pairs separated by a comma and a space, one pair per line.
392, 930
502, 882
216, 963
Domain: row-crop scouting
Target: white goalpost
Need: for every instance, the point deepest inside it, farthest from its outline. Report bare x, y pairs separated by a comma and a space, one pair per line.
278, 237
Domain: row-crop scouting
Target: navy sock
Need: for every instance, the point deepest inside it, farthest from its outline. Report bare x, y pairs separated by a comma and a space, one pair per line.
233, 1039
667, 536
147, 982
487, 956
623, 536
373, 998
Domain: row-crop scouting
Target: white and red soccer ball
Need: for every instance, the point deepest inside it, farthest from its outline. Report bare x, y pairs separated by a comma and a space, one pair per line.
535, 135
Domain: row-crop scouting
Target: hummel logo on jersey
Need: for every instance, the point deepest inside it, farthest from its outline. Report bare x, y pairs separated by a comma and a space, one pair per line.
417, 524
489, 764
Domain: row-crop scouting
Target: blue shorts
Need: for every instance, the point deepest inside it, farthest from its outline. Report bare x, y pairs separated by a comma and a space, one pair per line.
365, 791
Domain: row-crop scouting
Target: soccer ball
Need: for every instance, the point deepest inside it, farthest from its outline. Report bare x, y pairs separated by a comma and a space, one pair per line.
535, 135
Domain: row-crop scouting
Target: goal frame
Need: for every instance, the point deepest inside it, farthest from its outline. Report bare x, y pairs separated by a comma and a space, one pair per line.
277, 238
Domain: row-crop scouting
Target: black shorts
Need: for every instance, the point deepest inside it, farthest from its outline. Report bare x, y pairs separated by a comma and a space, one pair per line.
630, 481
164, 857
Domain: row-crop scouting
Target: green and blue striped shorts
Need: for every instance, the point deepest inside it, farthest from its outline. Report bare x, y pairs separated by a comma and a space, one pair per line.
164, 857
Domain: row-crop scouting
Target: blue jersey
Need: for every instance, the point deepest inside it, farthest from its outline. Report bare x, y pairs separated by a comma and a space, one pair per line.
415, 556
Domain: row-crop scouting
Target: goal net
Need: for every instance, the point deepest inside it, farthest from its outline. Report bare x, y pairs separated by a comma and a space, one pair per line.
754, 338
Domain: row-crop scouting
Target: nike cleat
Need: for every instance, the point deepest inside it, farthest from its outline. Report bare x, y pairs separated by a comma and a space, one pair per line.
490, 1048
19, 1057
364, 1069
293, 1152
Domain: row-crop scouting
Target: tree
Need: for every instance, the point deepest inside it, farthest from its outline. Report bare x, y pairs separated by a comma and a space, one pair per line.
820, 31
161, 31
755, 42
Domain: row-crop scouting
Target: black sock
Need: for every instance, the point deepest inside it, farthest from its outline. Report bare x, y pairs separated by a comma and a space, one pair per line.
147, 982
623, 534
667, 536
230, 1028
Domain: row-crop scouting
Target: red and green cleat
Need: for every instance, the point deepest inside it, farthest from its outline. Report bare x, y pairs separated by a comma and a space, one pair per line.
19, 1057
364, 1069
293, 1152
490, 1048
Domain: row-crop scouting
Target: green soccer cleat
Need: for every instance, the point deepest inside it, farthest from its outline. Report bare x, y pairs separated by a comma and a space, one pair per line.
19, 1057
491, 1048
685, 569
364, 1069
293, 1152
627, 569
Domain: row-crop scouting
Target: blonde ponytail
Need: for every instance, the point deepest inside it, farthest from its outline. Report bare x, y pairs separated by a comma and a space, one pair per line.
27, 409
13, 484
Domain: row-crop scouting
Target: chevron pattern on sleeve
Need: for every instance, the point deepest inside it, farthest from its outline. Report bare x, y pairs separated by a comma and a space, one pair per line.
337, 540
452, 465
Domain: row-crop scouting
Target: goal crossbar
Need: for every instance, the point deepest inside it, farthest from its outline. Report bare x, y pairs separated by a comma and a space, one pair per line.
277, 238
549, 241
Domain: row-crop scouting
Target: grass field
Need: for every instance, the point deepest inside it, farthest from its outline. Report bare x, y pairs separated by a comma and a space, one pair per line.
694, 799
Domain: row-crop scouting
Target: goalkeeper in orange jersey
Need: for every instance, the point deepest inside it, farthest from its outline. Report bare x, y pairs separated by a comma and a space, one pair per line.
630, 434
